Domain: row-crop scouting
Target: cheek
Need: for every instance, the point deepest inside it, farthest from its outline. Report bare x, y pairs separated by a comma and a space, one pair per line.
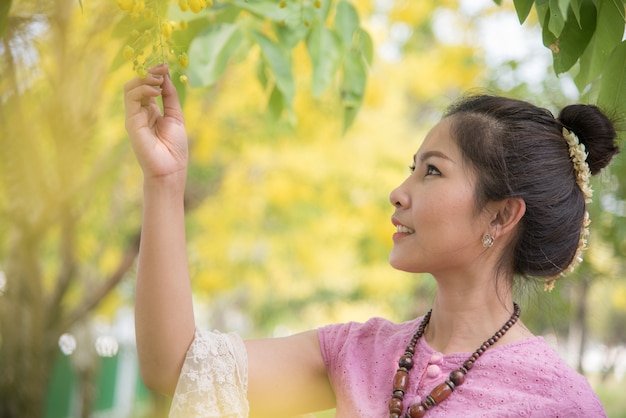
453, 212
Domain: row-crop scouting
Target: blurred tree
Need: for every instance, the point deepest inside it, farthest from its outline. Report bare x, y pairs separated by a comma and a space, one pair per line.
70, 188
66, 239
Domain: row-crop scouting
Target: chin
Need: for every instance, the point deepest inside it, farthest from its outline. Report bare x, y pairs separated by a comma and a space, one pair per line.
399, 265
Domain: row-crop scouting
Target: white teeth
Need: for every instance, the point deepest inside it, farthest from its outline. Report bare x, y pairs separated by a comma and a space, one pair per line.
405, 230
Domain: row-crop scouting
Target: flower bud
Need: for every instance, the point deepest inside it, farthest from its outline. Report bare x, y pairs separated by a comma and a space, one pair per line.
129, 52
166, 29
195, 6
126, 5
183, 60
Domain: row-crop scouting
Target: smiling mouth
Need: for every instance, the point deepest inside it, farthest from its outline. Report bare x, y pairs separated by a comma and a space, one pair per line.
404, 229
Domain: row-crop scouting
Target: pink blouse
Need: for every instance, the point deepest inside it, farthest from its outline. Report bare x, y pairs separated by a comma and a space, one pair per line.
522, 379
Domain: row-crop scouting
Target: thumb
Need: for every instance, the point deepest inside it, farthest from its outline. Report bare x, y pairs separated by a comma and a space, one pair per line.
171, 102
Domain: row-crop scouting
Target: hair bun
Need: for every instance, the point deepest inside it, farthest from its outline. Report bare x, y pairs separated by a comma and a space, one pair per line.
595, 130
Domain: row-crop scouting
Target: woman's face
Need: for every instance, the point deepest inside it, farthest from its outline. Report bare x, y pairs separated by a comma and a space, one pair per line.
438, 227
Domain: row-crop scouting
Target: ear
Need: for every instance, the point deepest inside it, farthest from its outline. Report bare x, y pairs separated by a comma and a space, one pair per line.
506, 214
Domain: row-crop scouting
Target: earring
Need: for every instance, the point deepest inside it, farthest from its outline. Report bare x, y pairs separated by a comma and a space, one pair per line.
487, 240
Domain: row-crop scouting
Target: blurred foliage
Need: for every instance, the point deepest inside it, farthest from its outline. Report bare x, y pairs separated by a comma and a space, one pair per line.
288, 222
212, 35
589, 34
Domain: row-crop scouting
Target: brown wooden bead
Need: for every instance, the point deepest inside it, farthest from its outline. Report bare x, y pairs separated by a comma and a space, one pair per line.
457, 377
395, 406
401, 380
441, 392
416, 411
406, 361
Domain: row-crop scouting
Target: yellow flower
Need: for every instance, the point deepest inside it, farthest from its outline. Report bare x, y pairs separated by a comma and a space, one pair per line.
142, 72
126, 5
139, 7
129, 52
166, 29
183, 5
195, 5
183, 60
183, 79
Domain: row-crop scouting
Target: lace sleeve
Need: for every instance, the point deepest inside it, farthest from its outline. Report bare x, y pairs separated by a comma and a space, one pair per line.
213, 382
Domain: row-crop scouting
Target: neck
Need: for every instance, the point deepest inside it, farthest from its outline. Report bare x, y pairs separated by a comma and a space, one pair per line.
463, 320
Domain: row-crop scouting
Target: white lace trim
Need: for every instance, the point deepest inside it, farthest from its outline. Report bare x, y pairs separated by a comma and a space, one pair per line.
214, 379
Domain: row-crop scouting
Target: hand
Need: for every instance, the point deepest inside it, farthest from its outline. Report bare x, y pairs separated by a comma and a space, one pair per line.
159, 140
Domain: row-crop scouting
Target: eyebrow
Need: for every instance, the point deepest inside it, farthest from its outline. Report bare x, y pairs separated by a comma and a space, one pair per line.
428, 154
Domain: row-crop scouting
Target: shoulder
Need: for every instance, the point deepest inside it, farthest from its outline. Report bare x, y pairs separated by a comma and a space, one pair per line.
375, 338
374, 330
535, 375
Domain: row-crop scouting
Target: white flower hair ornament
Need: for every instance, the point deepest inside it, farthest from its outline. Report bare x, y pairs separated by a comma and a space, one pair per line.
578, 154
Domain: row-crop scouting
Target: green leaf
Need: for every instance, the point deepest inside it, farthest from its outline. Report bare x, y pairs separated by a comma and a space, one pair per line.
498, 2
548, 38
612, 94
574, 38
365, 45
271, 10
210, 52
522, 8
276, 103
608, 34
290, 36
542, 7
576, 6
261, 73
325, 54
346, 21
352, 86
279, 61
557, 18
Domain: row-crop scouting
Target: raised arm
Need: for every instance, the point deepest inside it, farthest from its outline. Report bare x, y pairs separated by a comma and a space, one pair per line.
287, 376
164, 318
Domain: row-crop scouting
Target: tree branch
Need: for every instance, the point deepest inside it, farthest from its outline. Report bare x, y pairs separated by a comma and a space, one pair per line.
93, 299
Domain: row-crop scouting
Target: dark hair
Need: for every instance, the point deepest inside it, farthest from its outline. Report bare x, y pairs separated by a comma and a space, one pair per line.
518, 150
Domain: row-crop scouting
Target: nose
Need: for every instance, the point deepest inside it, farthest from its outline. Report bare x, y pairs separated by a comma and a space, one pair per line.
398, 197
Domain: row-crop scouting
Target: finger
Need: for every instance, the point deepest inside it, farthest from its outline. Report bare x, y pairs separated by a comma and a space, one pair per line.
171, 103
139, 95
153, 79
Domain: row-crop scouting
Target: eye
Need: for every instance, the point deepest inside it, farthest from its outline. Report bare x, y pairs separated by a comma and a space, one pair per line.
412, 168
431, 170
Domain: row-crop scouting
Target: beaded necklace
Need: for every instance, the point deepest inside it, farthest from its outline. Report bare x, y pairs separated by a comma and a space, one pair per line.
442, 391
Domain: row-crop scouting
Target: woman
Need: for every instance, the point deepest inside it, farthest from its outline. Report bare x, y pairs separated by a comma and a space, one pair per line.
497, 193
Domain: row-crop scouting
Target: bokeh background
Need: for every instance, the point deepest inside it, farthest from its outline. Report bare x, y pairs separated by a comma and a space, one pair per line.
288, 215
